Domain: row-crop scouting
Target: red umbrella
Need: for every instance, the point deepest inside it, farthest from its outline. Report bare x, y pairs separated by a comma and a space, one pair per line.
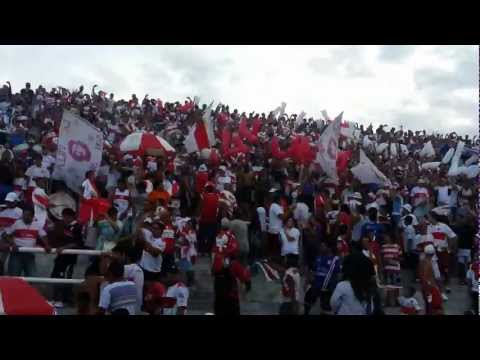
146, 143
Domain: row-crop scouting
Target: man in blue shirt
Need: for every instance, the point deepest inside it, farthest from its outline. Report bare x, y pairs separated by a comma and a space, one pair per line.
325, 273
373, 226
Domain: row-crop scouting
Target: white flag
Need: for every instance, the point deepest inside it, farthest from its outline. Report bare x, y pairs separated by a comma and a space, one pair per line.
279, 111
325, 115
80, 147
368, 173
328, 148
300, 117
453, 171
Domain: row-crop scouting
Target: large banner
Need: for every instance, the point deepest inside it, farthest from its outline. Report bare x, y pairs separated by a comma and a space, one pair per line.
328, 148
80, 147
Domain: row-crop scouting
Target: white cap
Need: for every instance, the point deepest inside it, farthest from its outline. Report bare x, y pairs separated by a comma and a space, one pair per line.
11, 197
223, 168
429, 250
148, 220
202, 167
407, 207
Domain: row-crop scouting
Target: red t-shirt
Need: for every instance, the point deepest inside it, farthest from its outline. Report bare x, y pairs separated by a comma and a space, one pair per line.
209, 207
201, 180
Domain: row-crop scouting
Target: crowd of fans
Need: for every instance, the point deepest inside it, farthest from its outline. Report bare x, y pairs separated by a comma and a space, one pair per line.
355, 247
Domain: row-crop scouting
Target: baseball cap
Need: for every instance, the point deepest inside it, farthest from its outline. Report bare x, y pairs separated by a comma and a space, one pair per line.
202, 167
11, 197
429, 250
407, 207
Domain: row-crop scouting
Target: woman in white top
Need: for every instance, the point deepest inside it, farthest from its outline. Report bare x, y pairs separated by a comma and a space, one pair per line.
290, 237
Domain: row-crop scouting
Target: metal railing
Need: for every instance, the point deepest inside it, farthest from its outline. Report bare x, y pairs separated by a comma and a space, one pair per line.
55, 281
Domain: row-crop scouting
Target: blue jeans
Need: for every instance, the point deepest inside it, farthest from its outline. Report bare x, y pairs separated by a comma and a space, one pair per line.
21, 263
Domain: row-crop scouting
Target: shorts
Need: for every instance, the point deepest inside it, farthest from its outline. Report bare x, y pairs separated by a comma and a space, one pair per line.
443, 261
392, 278
150, 276
464, 256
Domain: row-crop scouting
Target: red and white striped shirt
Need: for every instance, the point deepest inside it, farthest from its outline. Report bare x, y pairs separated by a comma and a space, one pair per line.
26, 235
391, 257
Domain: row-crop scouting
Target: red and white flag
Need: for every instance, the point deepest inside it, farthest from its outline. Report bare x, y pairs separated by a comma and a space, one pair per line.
201, 135
328, 148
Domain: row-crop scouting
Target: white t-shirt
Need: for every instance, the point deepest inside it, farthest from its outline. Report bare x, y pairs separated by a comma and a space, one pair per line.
148, 261
443, 197
409, 233
134, 273
35, 171
26, 235
88, 191
440, 233
262, 218
301, 213
180, 292
119, 295
290, 247
274, 222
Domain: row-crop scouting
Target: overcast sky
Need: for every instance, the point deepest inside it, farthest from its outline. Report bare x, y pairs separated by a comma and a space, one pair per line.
421, 87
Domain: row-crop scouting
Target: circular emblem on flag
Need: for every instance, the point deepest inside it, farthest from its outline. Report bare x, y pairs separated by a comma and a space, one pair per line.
332, 149
79, 151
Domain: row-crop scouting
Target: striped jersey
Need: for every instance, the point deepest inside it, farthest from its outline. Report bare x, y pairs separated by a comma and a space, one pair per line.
391, 257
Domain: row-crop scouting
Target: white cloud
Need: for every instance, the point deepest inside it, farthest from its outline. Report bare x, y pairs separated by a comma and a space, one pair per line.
419, 86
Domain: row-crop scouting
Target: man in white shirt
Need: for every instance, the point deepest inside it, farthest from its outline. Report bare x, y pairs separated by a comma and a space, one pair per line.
119, 295
8, 216
154, 246
420, 198
443, 191
36, 171
275, 224
223, 178
178, 292
444, 241
25, 232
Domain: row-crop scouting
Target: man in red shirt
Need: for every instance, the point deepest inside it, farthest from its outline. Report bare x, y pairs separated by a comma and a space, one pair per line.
209, 204
226, 270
